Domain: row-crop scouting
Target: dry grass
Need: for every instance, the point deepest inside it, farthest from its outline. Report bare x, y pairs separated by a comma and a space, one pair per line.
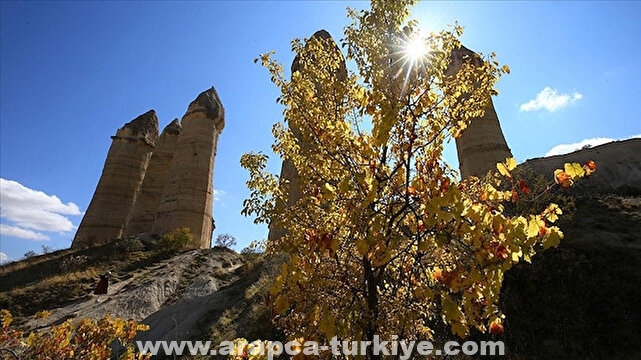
52, 280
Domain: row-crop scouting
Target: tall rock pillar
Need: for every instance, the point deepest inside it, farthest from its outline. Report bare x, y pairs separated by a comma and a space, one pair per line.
482, 144
288, 172
187, 199
122, 175
156, 178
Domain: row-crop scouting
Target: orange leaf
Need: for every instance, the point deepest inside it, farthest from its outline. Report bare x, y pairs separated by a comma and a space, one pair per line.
496, 327
562, 178
523, 186
589, 167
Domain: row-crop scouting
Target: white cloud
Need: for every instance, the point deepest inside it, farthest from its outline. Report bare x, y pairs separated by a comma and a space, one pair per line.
568, 148
14, 231
551, 101
4, 258
26, 209
218, 194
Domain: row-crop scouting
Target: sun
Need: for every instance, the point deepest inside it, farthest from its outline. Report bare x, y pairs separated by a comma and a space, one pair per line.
415, 49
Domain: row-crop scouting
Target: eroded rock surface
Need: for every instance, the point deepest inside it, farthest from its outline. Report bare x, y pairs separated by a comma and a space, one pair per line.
122, 175
156, 178
187, 200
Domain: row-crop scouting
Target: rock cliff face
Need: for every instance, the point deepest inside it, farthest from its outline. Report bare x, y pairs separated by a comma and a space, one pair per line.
482, 144
187, 200
122, 175
153, 185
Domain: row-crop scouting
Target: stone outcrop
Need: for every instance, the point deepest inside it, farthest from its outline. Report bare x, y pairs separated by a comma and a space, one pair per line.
187, 199
288, 172
482, 144
618, 167
145, 294
153, 184
156, 178
123, 173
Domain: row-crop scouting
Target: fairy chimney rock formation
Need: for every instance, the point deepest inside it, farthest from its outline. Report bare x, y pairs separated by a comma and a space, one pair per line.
324, 36
156, 178
482, 144
288, 172
187, 199
122, 175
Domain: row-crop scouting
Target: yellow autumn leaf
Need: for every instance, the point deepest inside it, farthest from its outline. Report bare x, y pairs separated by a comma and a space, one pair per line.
362, 247
281, 304
511, 163
326, 325
503, 170
552, 212
454, 316
516, 255
533, 227
553, 238
575, 170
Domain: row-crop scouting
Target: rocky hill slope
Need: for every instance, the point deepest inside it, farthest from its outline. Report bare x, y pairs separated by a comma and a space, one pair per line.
137, 295
618, 164
579, 300
190, 295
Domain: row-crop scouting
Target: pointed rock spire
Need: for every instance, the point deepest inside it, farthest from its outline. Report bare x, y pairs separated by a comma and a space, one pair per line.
208, 104
122, 175
187, 199
482, 144
143, 128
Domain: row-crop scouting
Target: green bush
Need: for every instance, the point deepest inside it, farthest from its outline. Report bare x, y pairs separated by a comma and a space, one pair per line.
176, 240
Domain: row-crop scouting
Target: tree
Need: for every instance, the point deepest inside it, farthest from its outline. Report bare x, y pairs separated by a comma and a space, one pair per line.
225, 240
384, 239
29, 254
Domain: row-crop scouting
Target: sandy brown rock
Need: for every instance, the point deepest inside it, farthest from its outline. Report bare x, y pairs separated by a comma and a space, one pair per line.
122, 175
482, 144
179, 280
288, 172
187, 200
156, 178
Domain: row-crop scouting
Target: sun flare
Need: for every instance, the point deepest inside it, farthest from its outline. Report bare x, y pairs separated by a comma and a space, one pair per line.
415, 48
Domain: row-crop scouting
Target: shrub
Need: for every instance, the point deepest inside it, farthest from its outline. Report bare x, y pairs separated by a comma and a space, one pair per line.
84, 339
176, 240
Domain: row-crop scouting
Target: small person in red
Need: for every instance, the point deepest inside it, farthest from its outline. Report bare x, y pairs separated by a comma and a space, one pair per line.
103, 284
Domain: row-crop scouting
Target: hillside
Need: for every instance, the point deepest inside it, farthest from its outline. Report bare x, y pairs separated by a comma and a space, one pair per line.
618, 162
577, 301
191, 295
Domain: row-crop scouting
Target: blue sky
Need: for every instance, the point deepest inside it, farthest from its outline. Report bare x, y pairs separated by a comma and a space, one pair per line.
72, 73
